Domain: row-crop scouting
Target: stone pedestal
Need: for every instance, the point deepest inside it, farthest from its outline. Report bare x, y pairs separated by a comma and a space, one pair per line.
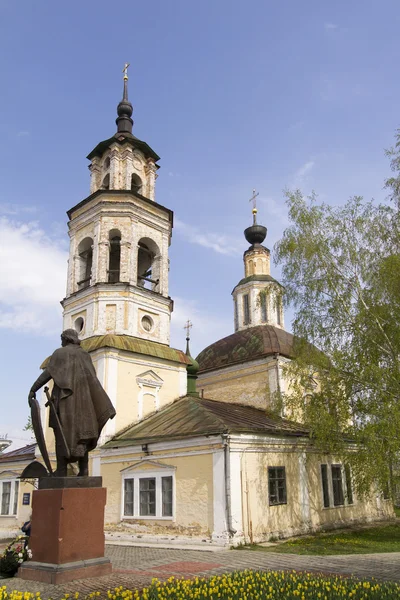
67, 539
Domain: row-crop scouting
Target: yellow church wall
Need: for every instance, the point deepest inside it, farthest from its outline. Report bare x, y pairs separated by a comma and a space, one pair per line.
137, 399
193, 489
304, 510
244, 384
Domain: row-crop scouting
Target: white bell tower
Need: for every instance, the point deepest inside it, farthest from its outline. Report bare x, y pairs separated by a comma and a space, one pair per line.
119, 240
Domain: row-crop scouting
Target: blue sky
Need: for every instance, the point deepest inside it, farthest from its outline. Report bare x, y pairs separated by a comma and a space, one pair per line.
232, 95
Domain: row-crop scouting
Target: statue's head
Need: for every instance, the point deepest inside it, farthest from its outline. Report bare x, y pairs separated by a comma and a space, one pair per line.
69, 336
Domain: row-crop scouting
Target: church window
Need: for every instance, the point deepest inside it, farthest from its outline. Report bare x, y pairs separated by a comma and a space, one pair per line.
78, 324
263, 304
246, 309
85, 253
9, 497
147, 497
115, 257
325, 486
106, 163
279, 310
349, 489
147, 323
106, 182
235, 304
148, 265
136, 184
166, 485
277, 485
337, 485
128, 497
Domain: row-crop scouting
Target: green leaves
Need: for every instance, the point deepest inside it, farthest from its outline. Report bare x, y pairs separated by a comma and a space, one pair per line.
341, 272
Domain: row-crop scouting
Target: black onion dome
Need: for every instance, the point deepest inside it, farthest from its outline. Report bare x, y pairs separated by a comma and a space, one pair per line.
124, 109
255, 234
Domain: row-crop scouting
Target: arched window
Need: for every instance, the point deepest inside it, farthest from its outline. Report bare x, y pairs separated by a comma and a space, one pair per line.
136, 183
106, 164
148, 265
115, 256
106, 182
85, 253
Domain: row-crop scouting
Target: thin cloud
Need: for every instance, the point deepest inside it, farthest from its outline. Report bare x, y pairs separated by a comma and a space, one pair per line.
23, 133
33, 272
8, 209
304, 169
330, 26
221, 244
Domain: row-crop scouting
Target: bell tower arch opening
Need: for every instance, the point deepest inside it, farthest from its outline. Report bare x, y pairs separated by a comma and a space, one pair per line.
85, 261
148, 265
136, 183
114, 264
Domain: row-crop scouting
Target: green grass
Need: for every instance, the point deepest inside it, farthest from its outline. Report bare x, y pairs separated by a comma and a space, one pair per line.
362, 541
397, 511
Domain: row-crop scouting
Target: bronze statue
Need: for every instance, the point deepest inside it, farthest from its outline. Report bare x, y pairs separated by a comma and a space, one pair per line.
79, 406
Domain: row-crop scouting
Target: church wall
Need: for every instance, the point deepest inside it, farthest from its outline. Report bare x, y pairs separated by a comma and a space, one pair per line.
304, 510
139, 392
193, 487
251, 383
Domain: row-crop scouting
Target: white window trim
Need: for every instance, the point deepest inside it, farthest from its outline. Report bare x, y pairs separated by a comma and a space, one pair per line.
157, 475
330, 486
12, 497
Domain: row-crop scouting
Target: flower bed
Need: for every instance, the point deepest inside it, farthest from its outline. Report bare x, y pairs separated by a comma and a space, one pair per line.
13, 556
244, 585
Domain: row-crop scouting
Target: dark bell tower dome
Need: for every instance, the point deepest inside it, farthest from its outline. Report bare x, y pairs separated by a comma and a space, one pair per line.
255, 234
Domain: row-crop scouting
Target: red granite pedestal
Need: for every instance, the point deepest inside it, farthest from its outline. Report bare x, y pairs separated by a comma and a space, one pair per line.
67, 539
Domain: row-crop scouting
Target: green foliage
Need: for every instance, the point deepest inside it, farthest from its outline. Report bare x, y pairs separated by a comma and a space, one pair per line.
341, 270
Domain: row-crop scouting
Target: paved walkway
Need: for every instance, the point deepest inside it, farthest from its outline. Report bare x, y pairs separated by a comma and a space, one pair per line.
135, 567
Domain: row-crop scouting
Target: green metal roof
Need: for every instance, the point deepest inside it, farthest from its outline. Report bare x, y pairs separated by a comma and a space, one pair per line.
257, 278
190, 416
123, 138
132, 344
247, 344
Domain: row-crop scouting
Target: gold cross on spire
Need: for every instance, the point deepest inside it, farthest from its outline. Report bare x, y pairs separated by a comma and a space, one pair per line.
188, 327
125, 70
253, 199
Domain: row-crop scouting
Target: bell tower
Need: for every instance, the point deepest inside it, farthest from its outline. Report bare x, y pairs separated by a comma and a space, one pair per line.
119, 240
257, 297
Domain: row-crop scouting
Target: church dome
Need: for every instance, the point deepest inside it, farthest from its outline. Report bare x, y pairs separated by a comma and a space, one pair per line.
246, 345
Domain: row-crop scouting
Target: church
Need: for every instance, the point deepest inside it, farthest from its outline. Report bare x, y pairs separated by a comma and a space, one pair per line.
196, 450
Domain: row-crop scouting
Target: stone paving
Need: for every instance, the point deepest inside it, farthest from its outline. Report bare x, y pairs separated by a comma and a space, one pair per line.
135, 567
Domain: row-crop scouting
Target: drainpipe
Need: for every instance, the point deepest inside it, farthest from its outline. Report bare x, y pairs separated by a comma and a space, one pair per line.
278, 381
228, 496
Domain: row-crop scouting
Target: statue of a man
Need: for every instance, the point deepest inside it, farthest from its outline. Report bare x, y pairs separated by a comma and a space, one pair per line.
82, 405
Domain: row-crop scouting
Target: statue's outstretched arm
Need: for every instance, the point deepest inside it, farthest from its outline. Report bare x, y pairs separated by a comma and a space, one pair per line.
40, 382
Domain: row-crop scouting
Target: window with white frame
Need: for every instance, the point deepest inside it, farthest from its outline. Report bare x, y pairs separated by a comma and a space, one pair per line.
9, 490
148, 495
337, 487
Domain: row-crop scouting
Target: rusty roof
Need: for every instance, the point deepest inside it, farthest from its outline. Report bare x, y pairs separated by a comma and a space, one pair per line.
131, 344
24, 453
247, 344
192, 416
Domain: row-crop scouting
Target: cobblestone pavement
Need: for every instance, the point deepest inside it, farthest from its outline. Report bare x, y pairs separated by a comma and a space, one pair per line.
135, 567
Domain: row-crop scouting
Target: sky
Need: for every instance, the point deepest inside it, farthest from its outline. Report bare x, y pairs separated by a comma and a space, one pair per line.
232, 95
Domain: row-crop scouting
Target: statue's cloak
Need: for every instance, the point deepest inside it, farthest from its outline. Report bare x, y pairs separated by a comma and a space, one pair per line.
80, 400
